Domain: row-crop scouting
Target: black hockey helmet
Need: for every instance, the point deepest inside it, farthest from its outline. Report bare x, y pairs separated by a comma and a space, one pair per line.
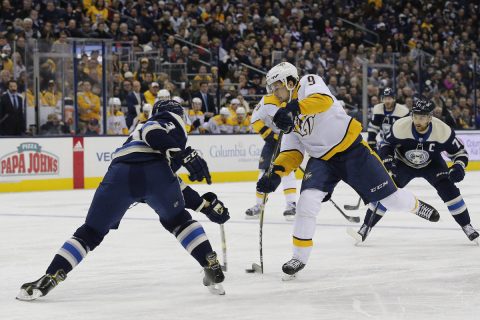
388, 92
423, 106
169, 106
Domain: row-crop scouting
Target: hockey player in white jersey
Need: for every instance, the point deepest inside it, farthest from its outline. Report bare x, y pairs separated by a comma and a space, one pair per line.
384, 116
315, 123
262, 124
413, 149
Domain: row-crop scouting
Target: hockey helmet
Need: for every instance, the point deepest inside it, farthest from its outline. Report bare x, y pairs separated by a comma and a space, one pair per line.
224, 112
163, 94
283, 72
114, 101
423, 106
168, 106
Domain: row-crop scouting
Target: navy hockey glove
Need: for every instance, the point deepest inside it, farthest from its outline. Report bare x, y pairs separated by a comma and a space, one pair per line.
196, 166
284, 118
216, 210
456, 173
268, 184
196, 124
389, 163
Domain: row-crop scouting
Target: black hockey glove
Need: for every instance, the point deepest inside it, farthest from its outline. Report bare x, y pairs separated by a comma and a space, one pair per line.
271, 138
216, 210
268, 184
389, 163
196, 166
196, 124
456, 173
284, 118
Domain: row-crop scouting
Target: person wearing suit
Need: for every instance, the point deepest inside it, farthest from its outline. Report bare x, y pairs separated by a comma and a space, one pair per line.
208, 102
135, 99
12, 120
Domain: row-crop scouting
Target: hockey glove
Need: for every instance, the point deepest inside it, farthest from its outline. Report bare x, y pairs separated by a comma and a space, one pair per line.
268, 184
196, 166
389, 163
284, 118
456, 173
196, 124
271, 138
215, 210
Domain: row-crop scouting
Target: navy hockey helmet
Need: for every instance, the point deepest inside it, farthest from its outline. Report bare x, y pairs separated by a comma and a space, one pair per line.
169, 106
423, 106
388, 92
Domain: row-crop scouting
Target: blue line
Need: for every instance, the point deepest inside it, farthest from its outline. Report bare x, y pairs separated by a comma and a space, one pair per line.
233, 222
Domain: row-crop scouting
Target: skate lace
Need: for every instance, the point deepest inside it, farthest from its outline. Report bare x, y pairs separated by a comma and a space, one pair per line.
424, 211
294, 263
468, 229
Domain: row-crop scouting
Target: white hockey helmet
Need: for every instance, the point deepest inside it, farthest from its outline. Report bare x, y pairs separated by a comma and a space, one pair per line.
147, 107
114, 102
282, 72
163, 94
224, 112
178, 99
197, 100
241, 110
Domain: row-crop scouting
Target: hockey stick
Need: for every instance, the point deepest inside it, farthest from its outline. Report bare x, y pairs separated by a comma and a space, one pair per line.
349, 218
353, 207
255, 266
224, 247
357, 236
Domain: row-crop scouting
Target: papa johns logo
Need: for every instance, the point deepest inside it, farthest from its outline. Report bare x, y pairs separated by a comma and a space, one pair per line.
29, 159
417, 156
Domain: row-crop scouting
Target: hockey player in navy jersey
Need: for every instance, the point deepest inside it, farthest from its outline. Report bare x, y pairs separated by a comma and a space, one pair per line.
142, 170
315, 123
413, 149
384, 116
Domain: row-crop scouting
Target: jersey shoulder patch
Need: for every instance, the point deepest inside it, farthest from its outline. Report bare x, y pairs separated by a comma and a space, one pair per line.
378, 109
401, 110
402, 128
440, 131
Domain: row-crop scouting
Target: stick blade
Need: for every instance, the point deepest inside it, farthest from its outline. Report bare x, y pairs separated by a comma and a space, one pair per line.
256, 268
350, 207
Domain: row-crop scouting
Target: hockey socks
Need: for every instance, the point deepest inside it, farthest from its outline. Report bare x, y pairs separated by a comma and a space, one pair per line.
459, 211
379, 213
193, 238
69, 256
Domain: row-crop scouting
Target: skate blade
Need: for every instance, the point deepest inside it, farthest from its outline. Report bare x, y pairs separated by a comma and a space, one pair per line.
256, 268
475, 241
290, 218
24, 296
216, 289
354, 234
289, 277
247, 217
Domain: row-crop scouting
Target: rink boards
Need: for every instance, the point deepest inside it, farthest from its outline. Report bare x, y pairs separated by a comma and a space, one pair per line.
29, 164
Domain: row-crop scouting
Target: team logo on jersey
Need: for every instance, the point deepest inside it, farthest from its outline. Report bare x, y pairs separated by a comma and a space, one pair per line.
307, 176
304, 125
417, 156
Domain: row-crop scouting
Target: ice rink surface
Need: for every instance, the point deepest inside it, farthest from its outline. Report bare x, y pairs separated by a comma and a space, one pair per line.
408, 268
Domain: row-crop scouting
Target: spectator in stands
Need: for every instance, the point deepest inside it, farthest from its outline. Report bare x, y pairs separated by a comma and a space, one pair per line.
93, 128
202, 76
196, 116
151, 94
54, 126
97, 9
142, 117
12, 118
233, 106
142, 70
51, 97
88, 105
115, 118
135, 100
208, 102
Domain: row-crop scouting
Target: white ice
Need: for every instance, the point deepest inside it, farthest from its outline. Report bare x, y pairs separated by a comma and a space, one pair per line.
409, 268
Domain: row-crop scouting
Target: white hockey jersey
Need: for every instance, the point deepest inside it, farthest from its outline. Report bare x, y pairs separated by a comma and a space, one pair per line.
323, 128
263, 113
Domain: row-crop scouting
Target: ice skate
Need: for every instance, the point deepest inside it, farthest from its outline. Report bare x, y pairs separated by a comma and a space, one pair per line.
427, 212
471, 233
290, 211
359, 235
213, 275
291, 268
41, 287
253, 212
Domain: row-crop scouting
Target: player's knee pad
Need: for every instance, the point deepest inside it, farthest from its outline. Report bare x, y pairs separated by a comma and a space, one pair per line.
447, 190
173, 223
91, 237
309, 202
400, 200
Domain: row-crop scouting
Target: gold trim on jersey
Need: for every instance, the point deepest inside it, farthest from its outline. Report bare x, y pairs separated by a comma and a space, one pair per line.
297, 242
290, 191
260, 128
272, 99
351, 134
315, 103
290, 160
365, 143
